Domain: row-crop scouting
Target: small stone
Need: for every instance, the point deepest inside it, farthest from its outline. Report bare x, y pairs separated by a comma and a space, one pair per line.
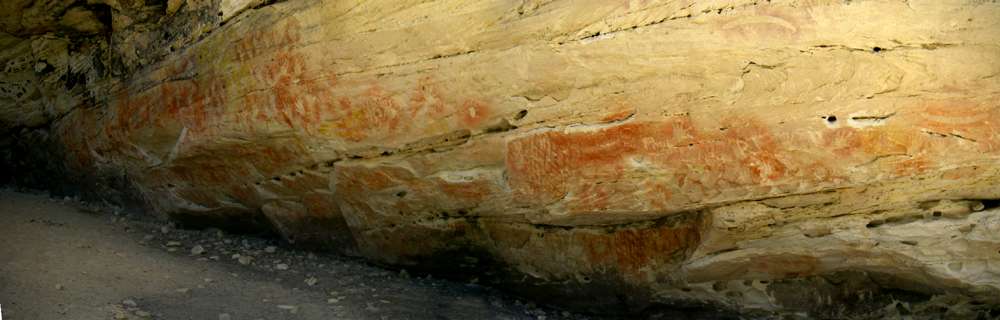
311, 281
173, 6
225, 316
332, 300
271, 249
183, 290
245, 260
281, 266
173, 243
143, 314
148, 237
164, 229
59, 287
292, 309
129, 303
198, 249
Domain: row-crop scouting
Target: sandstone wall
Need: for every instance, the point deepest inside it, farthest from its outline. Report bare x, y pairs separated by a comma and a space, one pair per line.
762, 155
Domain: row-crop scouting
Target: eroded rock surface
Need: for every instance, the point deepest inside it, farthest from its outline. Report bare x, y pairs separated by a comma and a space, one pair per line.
765, 156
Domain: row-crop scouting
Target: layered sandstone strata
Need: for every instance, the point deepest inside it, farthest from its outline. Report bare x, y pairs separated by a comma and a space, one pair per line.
761, 155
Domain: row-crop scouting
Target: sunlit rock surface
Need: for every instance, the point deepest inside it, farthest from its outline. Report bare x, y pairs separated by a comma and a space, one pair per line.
826, 157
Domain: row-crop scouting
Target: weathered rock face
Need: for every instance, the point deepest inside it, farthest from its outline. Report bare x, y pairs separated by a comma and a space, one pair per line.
817, 156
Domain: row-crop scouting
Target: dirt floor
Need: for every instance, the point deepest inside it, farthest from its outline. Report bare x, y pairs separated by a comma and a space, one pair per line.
64, 259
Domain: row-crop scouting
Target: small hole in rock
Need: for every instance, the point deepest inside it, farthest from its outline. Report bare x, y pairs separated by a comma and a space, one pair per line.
521, 114
877, 49
936, 213
401, 194
831, 119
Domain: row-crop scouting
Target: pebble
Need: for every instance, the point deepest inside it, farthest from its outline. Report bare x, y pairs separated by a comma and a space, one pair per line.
292, 309
59, 287
216, 232
225, 316
173, 243
143, 314
271, 249
129, 303
281, 266
311, 281
183, 290
198, 249
245, 260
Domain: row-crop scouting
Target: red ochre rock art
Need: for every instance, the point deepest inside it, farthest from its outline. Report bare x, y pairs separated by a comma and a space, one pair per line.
646, 164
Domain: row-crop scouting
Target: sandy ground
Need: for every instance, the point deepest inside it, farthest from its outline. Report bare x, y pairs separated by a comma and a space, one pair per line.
60, 259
